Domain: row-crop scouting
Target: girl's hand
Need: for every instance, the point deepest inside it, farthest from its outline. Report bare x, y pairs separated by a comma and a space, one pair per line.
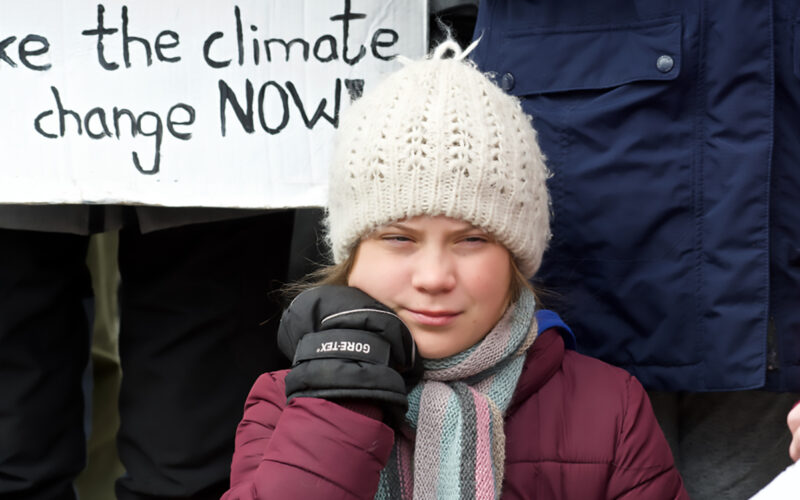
794, 427
347, 346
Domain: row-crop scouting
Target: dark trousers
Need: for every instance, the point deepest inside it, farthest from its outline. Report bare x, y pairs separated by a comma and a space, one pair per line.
198, 322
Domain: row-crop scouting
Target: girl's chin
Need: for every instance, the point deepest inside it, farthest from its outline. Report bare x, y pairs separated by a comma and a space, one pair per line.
435, 355
436, 348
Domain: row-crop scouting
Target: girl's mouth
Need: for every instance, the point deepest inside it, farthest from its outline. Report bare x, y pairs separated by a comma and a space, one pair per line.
433, 318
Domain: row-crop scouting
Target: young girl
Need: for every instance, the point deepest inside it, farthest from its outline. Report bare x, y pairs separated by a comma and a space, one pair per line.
420, 367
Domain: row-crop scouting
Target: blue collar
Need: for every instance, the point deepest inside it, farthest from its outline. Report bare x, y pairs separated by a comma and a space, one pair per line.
547, 319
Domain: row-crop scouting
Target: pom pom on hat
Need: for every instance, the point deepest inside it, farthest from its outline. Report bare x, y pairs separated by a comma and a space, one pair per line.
438, 137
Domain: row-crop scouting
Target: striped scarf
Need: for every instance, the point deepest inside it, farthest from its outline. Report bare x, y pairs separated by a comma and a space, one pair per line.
457, 411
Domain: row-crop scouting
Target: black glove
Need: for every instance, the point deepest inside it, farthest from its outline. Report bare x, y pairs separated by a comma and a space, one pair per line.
344, 344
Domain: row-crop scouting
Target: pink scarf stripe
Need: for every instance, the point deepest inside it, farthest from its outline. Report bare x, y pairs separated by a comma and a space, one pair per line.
405, 466
484, 476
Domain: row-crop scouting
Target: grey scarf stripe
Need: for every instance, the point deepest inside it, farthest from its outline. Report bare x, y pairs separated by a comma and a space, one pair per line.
469, 437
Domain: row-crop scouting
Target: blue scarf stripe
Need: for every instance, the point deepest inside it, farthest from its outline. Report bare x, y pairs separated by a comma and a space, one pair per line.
450, 450
502, 388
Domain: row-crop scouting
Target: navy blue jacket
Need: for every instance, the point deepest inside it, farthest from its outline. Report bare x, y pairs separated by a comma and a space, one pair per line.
673, 132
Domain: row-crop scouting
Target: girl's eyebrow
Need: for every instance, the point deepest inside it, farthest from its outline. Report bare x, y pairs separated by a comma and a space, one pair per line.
400, 225
467, 228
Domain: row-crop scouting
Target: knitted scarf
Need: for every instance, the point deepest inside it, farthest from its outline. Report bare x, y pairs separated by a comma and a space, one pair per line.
457, 411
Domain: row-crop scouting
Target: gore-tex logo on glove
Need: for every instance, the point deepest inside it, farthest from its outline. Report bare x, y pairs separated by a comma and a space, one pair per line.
344, 346
357, 345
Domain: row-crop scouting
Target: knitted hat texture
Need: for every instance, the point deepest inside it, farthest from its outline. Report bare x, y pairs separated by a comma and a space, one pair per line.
438, 137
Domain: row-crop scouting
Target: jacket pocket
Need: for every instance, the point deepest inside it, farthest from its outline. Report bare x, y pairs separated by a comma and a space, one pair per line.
547, 60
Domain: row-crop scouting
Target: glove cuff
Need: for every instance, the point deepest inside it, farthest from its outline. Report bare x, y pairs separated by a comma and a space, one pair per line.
394, 399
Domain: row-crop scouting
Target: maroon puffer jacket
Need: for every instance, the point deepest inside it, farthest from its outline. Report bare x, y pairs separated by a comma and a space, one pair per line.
576, 428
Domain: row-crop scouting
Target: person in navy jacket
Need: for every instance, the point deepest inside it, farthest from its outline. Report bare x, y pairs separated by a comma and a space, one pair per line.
670, 128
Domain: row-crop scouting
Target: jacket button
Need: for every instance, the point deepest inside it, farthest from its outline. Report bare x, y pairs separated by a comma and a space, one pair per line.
665, 63
507, 82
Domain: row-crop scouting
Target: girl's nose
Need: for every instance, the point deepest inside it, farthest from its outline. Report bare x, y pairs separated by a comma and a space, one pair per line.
434, 271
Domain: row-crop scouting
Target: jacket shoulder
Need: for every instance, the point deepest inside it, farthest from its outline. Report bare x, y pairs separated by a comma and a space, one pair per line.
595, 373
592, 423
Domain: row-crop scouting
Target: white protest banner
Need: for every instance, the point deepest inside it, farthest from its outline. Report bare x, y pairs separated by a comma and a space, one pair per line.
187, 103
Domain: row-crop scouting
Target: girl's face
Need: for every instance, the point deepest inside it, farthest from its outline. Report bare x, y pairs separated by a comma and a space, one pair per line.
448, 281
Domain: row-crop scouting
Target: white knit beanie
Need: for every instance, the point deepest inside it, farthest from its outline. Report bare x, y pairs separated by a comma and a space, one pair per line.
438, 137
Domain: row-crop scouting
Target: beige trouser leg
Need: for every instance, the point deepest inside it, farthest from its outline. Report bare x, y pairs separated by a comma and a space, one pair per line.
96, 482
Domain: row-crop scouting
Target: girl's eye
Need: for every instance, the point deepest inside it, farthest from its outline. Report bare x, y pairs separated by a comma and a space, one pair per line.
475, 239
398, 238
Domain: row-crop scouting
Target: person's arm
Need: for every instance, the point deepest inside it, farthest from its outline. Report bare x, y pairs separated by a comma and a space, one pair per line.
787, 483
643, 465
310, 448
793, 419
